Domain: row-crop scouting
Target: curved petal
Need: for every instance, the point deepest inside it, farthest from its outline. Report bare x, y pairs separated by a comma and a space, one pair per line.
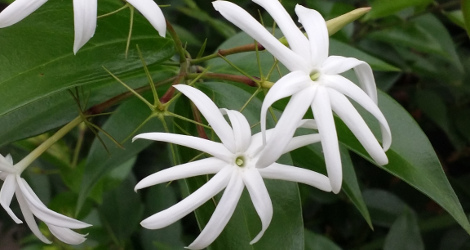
42, 212
300, 141
329, 140
241, 129
240, 18
150, 10
286, 126
213, 148
28, 217
290, 173
6, 195
315, 26
18, 10
260, 197
205, 166
67, 235
308, 123
222, 214
348, 88
84, 16
257, 143
190, 203
6, 164
346, 111
212, 114
286, 86
337, 64
296, 39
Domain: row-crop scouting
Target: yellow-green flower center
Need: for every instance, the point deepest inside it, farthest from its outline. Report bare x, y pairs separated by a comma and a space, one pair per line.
314, 75
240, 161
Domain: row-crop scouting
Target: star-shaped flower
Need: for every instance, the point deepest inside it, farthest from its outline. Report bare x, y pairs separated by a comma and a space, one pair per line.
30, 205
314, 81
85, 12
234, 162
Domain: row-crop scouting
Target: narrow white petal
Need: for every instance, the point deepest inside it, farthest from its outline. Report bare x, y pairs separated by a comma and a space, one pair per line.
300, 141
286, 126
315, 26
66, 235
260, 197
241, 129
42, 212
296, 39
152, 12
286, 86
6, 195
290, 173
329, 140
257, 142
308, 123
84, 16
190, 203
18, 10
213, 148
222, 214
346, 111
337, 64
243, 20
212, 114
205, 166
6, 164
28, 217
348, 88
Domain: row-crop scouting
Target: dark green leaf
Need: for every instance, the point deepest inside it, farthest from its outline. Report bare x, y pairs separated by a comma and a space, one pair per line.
404, 233
381, 8
466, 14
318, 242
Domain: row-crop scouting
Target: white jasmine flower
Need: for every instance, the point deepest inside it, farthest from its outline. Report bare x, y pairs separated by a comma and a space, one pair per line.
234, 162
30, 205
85, 12
314, 81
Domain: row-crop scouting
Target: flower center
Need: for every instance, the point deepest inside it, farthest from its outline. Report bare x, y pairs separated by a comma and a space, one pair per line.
314, 75
240, 161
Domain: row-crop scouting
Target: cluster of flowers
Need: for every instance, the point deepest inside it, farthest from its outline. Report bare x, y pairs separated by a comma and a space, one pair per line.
240, 159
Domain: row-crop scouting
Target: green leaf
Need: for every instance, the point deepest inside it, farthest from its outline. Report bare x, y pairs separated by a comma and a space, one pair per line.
315, 241
404, 233
456, 16
121, 211
411, 157
100, 161
382, 8
37, 59
466, 14
385, 207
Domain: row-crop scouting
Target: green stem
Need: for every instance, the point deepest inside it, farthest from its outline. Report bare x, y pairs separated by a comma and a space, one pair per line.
31, 157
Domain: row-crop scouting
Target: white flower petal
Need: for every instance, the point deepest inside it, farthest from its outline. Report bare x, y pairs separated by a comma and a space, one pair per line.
28, 217
337, 64
222, 214
84, 16
346, 111
42, 212
213, 148
300, 141
212, 114
6, 195
241, 129
260, 197
205, 166
18, 10
190, 203
329, 140
66, 235
315, 26
290, 173
286, 86
296, 39
308, 123
348, 88
6, 164
150, 10
286, 126
243, 20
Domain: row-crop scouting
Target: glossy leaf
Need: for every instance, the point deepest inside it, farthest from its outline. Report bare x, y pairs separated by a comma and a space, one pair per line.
45, 64
411, 157
382, 8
